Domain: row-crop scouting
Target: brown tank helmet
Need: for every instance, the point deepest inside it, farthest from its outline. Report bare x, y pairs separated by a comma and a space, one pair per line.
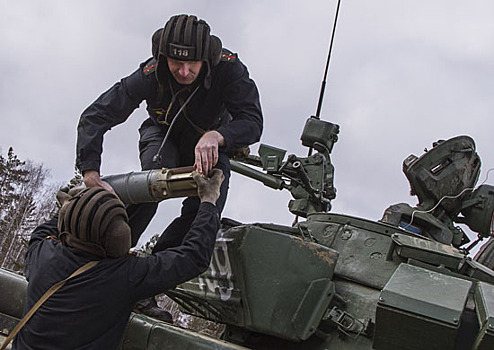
96, 222
186, 38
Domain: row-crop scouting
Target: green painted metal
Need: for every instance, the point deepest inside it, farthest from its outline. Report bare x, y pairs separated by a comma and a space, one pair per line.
264, 281
419, 309
13, 294
430, 294
427, 251
146, 333
334, 281
442, 173
477, 271
363, 246
484, 297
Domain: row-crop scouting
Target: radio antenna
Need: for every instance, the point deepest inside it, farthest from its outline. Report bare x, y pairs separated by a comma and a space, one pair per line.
323, 85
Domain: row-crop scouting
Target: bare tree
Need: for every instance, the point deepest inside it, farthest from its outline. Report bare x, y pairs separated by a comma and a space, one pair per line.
27, 199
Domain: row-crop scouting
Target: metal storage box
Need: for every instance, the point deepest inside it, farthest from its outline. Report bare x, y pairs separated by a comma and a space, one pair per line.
420, 309
484, 300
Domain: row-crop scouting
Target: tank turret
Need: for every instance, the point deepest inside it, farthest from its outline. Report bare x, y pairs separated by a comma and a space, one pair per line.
331, 281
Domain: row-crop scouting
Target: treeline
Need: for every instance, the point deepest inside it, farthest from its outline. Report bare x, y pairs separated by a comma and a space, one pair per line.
27, 198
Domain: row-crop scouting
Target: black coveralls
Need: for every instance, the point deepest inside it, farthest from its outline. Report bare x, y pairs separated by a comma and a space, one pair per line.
91, 310
230, 106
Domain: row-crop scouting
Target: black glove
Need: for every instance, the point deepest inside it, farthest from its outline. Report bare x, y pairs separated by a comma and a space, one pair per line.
208, 187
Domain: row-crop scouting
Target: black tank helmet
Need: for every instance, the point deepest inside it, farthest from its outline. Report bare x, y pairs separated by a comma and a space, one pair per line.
96, 222
186, 38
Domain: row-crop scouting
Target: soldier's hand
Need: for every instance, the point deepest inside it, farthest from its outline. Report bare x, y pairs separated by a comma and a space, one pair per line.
206, 151
208, 188
91, 178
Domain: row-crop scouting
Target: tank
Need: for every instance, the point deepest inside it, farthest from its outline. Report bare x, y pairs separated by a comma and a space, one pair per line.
332, 281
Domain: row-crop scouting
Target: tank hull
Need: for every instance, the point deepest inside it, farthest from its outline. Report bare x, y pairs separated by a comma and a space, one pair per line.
332, 282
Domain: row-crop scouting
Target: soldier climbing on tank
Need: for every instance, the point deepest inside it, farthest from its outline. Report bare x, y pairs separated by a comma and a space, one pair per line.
92, 308
202, 108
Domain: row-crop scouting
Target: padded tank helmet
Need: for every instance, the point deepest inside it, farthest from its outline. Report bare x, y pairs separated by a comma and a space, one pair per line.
186, 38
96, 222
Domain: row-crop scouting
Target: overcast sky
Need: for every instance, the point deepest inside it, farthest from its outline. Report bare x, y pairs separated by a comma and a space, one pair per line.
403, 75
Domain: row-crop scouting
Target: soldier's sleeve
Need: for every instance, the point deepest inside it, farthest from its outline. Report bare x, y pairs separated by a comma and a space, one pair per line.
113, 107
241, 98
40, 236
166, 269
49, 228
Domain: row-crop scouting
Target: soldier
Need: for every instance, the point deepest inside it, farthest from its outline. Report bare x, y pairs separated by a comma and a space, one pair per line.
202, 108
91, 309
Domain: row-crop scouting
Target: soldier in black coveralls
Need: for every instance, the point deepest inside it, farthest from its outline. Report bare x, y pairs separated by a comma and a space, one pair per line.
91, 310
202, 107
